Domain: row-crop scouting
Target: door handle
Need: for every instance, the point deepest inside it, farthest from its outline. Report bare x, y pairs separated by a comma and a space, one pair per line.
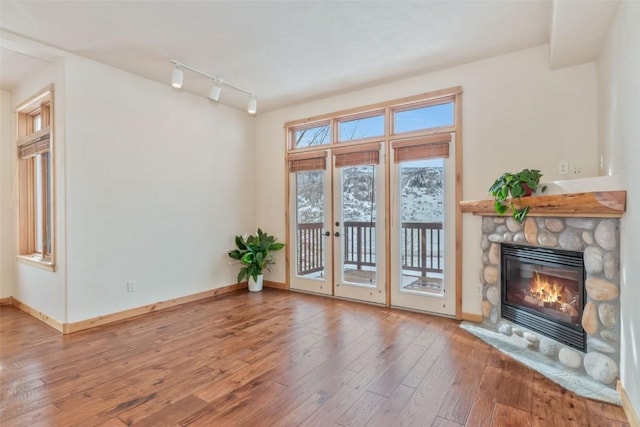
327, 233
337, 234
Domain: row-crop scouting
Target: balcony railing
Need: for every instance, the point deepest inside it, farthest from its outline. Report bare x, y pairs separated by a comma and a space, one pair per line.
421, 246
310, 248
359, 243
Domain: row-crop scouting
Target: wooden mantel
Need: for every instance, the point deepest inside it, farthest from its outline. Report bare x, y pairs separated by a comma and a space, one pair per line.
611, 204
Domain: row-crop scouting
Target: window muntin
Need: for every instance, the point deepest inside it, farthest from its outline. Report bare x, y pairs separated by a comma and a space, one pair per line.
423, 117
361, 128
311, 136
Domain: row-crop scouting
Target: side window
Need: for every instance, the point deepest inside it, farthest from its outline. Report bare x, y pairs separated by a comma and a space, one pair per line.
35, 179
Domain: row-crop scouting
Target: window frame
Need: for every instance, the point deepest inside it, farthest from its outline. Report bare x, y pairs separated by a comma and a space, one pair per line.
449, 95
36, 199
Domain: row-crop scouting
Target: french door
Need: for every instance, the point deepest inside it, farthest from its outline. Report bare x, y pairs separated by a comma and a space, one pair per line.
338, 207
423, 224
358, 214
310, 223
337, 218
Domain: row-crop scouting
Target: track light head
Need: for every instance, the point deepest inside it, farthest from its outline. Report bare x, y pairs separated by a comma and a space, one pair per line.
177, 77
253, 104
214, 93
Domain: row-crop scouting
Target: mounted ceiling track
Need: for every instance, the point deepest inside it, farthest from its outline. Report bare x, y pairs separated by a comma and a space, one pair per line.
177, 80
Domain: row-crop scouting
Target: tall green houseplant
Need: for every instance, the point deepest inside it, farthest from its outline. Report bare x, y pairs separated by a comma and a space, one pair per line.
254, 253
510, 186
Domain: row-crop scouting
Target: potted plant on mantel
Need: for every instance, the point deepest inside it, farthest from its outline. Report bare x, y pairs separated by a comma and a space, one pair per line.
510, 186
253, 252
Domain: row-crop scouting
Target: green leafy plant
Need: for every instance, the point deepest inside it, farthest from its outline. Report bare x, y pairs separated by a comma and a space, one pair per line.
510, 186
254, 254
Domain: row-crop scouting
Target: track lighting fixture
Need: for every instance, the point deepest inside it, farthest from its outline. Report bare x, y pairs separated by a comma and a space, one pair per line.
214, 94
253, 105
177, 77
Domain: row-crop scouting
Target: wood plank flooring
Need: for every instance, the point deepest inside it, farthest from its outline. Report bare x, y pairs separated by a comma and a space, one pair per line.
274, 358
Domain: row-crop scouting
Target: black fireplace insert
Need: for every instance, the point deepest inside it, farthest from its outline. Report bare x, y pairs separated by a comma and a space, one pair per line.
543, 290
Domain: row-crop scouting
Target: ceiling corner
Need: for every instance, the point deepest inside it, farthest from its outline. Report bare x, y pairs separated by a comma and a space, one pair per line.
578, 29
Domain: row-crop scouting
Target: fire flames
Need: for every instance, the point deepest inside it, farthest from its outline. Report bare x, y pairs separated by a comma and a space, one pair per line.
550, 293
545, 290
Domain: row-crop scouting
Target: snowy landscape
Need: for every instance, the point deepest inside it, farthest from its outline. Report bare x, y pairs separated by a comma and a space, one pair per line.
421, 192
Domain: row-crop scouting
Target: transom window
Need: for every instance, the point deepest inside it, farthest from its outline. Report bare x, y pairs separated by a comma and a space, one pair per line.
408, 117
312, 135
369, 126
423, 117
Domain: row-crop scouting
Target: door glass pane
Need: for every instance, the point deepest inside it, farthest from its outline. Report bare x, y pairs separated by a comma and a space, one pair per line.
421, 234
38, 201
367, 127
309, 137
423, 118
359, 225
48, 205
310, 224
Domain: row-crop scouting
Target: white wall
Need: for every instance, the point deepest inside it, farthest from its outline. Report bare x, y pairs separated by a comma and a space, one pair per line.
7, 162
151, 186
158, 183
619, 101
516, 114
40, 289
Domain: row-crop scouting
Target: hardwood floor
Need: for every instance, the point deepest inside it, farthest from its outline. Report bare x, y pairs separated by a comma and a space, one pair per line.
274, 358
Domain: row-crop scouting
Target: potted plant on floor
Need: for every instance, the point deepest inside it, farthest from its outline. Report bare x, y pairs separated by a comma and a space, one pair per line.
254, 253
510, 186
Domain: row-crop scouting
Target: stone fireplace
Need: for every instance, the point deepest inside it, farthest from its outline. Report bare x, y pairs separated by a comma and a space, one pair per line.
562, 319
597, 240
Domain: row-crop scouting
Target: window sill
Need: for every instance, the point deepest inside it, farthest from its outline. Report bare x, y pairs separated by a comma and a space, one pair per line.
36, 261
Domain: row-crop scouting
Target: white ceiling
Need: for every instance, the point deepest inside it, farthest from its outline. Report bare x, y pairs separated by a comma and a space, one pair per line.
284, 51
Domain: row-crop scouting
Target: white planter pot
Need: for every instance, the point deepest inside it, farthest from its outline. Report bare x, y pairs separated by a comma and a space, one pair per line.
256, 285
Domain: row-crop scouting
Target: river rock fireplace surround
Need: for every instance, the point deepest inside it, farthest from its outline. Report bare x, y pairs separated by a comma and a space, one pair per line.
587, 311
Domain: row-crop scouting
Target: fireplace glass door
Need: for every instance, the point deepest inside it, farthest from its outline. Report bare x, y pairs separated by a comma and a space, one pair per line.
543, 289
549, 290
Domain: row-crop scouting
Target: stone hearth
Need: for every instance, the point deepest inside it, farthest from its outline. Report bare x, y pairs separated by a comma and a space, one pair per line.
598, 239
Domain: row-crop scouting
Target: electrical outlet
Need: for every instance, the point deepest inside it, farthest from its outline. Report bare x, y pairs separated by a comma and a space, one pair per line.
131, 286
563, 167
576, 170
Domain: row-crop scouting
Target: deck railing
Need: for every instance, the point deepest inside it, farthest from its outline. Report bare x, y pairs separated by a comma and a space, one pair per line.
359, 239
421, 246
310, 248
